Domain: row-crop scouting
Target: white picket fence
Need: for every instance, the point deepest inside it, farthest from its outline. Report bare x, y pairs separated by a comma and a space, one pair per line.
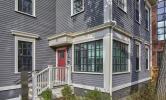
48, 78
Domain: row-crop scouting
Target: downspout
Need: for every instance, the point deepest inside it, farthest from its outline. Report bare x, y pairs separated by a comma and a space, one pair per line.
111, 43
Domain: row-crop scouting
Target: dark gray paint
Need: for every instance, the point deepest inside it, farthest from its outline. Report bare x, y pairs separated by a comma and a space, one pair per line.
92, 16
127, 21
4, 95
43, 25
88, 79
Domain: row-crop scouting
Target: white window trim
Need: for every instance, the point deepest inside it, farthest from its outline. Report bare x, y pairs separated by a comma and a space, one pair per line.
79, 72
33, 8
148, 9
17, 38
147, 47
139, 44
72, 13
139, 13
129, 51
125, 6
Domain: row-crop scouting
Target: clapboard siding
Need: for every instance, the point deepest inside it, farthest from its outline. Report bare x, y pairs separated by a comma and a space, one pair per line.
43, 25
92, 16
88, 79
127, 21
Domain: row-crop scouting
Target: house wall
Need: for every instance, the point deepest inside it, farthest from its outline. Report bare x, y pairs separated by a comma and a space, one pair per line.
92, 16
127, 21
43, 25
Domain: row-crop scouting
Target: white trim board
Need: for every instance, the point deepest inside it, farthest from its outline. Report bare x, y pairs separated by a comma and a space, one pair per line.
17, 98
129, 84
113, 89
89, 87
12, 87
33, 41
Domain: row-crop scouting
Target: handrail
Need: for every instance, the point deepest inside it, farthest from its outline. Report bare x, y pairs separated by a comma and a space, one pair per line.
43, 70
49, 77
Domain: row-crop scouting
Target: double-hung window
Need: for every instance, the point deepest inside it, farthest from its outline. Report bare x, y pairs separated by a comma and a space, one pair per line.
24, 56
123, 5
77, 6
147, 18
26, 6
137, 11
137, 48
147, 57
120, 56
88, 57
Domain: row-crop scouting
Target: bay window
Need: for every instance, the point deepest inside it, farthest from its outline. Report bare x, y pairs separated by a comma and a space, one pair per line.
88, 57
120, 56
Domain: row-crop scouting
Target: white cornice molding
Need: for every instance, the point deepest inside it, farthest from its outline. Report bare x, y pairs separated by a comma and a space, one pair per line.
24, 34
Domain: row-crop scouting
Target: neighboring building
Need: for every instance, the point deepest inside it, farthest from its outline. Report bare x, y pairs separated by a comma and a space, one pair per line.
159, 30
106, 44
158, 34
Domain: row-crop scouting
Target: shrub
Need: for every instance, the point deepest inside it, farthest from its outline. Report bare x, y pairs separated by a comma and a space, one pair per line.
146, 92
97, 95
68, 93
47, 94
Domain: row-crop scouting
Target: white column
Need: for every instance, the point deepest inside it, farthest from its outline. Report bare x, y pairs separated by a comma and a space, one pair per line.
69, 75
107, 63
34, 85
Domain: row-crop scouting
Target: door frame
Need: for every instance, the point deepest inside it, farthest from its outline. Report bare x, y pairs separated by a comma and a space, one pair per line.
61, 48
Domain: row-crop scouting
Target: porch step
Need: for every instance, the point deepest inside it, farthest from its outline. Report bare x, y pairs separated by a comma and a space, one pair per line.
56, 92
30, 95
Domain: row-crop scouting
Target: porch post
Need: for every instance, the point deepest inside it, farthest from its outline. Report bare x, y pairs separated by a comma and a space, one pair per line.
34, 85
107, 61
50, 76
69, 74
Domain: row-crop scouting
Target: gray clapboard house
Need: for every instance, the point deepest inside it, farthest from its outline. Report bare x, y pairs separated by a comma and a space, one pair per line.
88, 44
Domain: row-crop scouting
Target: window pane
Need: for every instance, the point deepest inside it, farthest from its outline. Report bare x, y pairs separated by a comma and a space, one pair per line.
120, 56
160, 4
25, 6
77, 6
161, 17
24, 56
160, 31
160, 11
91, 59
160, 24
160, 37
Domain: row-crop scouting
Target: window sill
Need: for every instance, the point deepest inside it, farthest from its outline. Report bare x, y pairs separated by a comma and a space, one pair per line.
72, 15
117, 73
125, 11
20, 72
137, 71
25, 14
147, 29
93, 73
138, 22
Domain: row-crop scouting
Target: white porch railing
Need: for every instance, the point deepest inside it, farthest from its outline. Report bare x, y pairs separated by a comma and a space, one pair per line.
49, 77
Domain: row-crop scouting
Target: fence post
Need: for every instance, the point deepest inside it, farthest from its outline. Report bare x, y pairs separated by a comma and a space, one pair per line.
50, 85
34, 85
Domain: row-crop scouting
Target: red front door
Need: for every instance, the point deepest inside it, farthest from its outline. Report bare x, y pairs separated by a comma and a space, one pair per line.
61, 57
